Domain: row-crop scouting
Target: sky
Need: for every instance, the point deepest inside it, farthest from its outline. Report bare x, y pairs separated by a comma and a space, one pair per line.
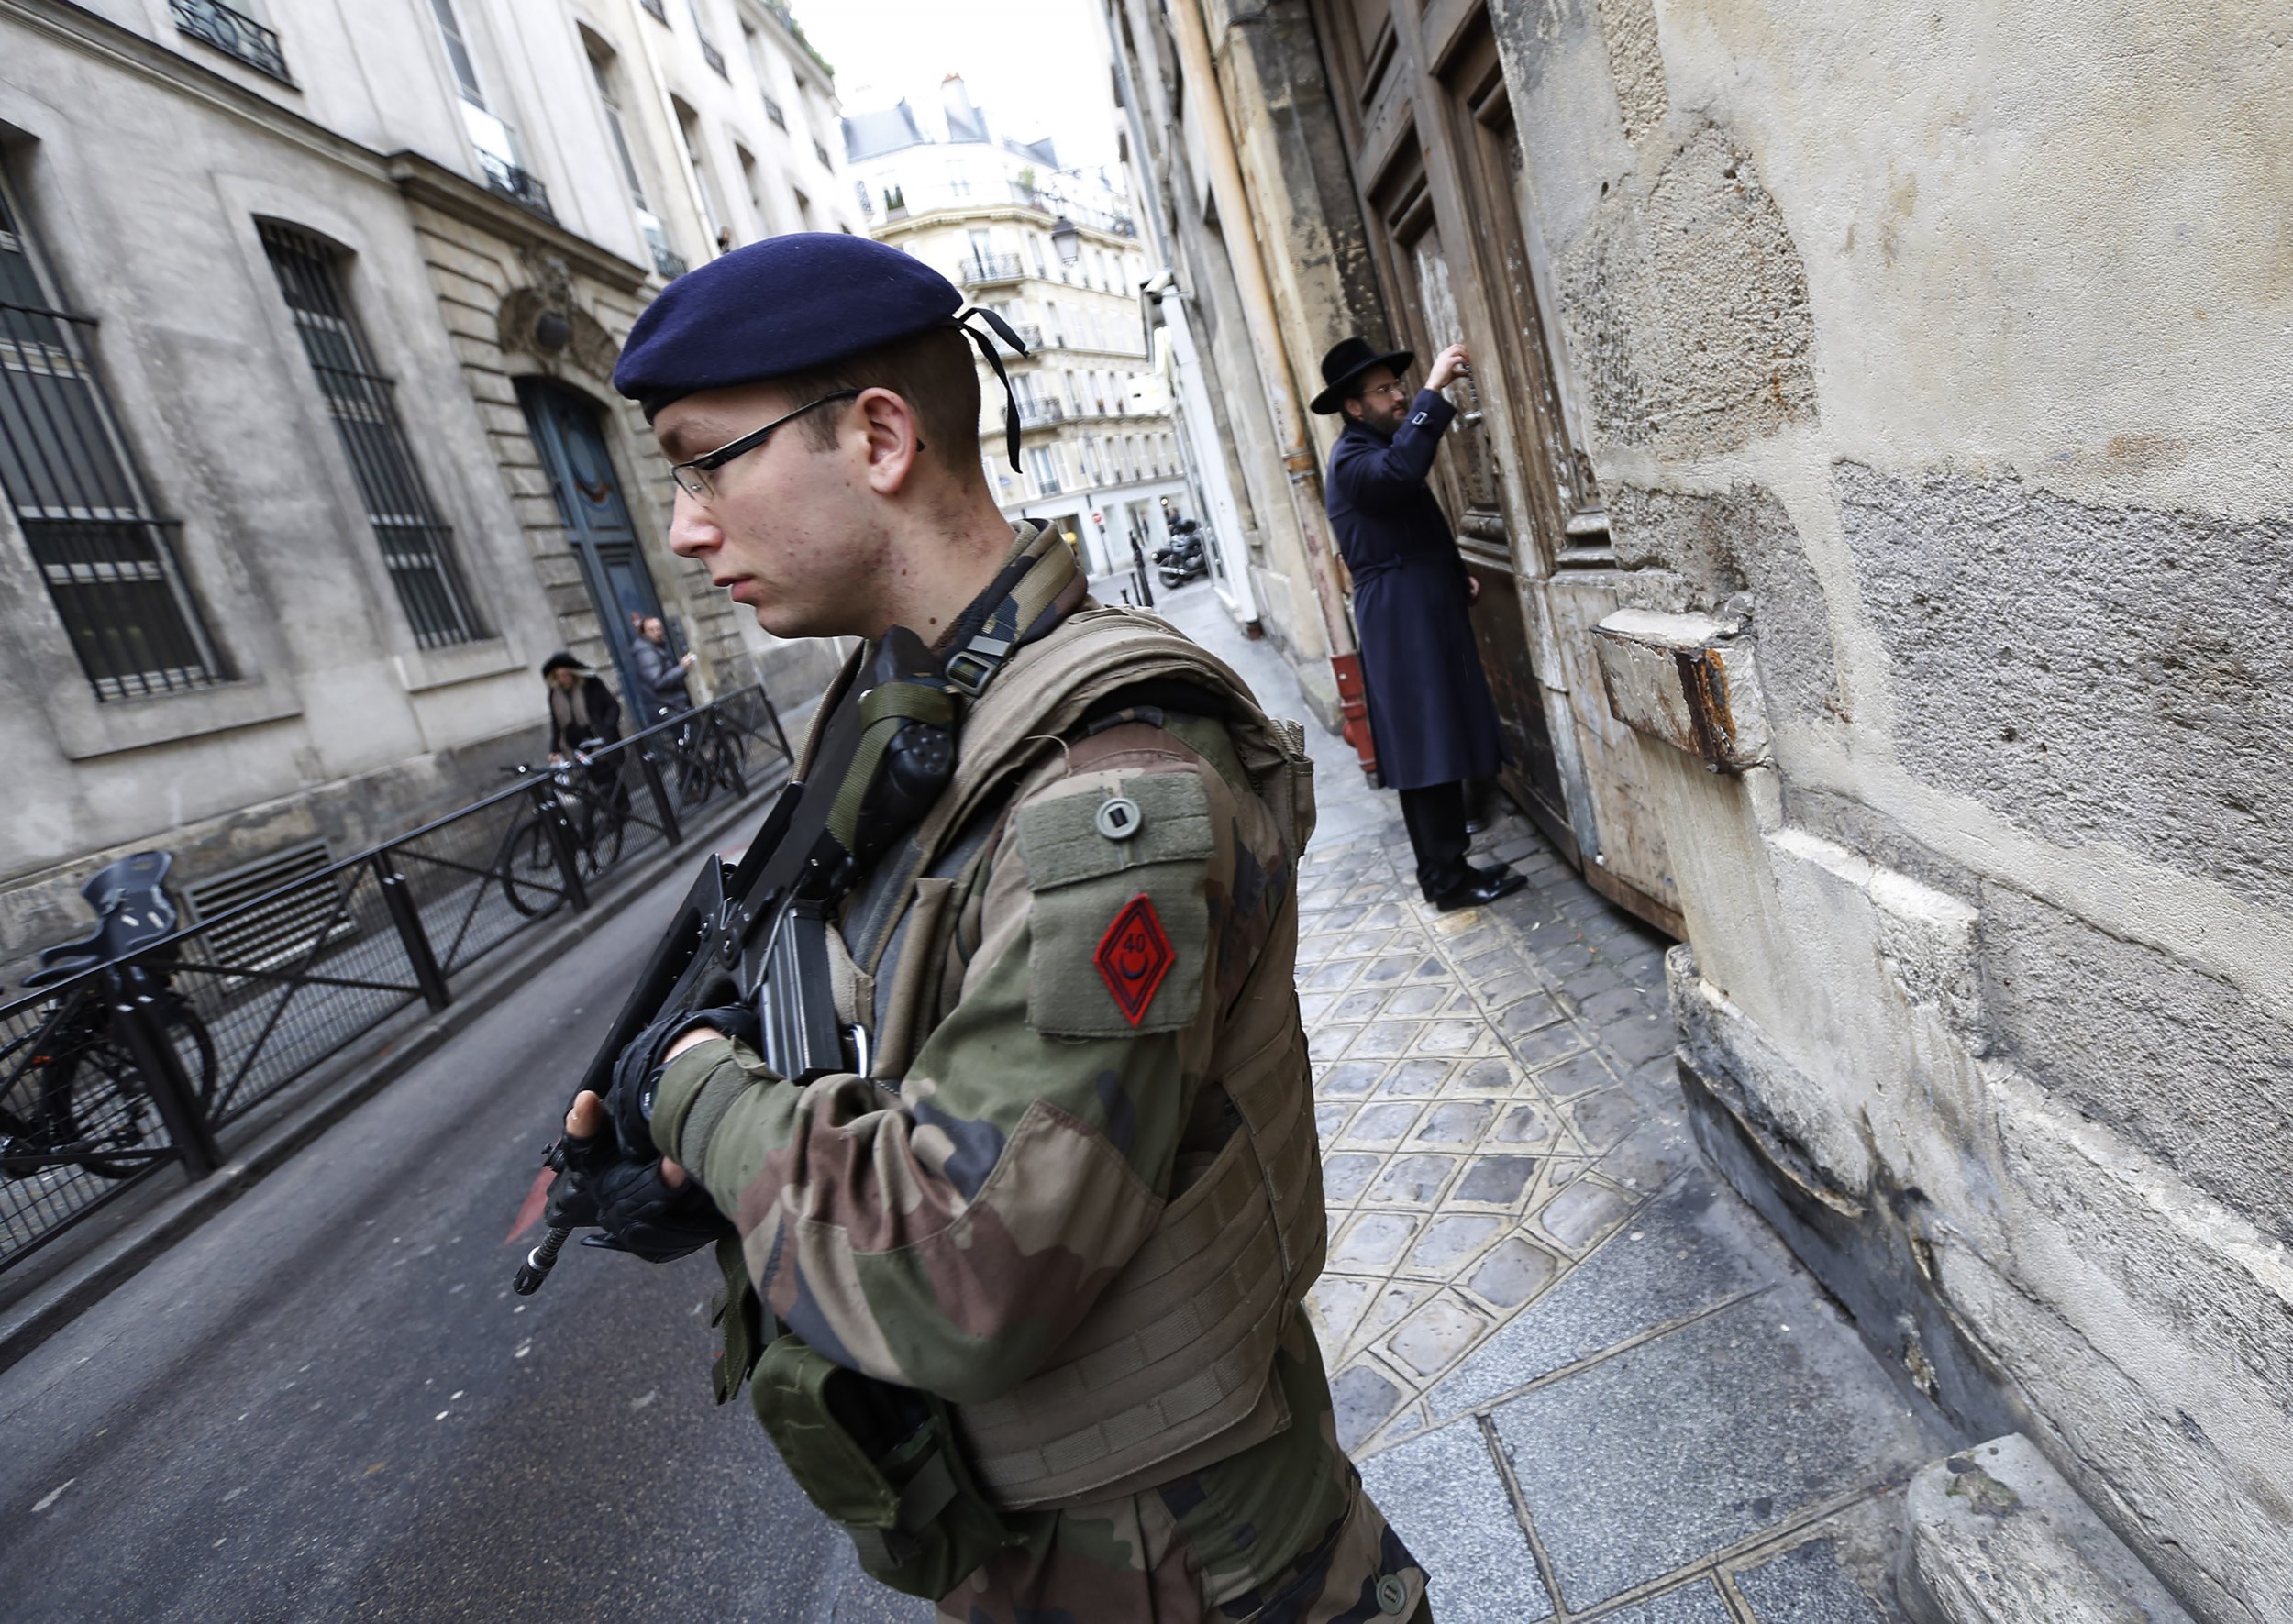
1034, 67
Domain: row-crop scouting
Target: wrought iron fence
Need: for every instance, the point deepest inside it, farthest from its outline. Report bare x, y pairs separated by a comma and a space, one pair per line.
129, 1068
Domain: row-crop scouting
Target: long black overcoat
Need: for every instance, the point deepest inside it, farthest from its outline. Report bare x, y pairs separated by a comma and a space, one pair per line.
1429, 704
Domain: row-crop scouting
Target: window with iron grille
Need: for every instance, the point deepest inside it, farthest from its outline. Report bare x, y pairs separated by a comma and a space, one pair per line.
108, 562
416, 542
709, 53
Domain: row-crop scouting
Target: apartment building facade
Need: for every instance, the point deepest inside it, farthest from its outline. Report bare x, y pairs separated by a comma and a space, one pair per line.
311, 453
1057, 254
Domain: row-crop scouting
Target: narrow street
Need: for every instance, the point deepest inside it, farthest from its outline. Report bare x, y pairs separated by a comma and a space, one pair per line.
327, 1403
1581, 1377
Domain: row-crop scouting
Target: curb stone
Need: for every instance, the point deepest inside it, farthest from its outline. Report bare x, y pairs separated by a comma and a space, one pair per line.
1998, 1537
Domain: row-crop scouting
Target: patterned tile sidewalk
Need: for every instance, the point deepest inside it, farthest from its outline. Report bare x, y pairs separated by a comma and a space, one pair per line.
1582, 1378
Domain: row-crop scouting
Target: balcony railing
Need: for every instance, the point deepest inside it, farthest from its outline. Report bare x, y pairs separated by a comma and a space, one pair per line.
670, 266
516, 184
234, 33
1099, 220
1029, 334
1041, 413
715, 58
1046, 487
772, 111
661, 12
821, 152
984, 268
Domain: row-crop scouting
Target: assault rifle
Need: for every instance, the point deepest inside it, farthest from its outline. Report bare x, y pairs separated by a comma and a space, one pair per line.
882, 757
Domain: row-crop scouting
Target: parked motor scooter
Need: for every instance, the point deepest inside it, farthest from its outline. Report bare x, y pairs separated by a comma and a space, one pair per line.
1183, 558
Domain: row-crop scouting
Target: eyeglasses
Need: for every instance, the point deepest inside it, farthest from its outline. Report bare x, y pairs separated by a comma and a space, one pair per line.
692, 477
1396, 389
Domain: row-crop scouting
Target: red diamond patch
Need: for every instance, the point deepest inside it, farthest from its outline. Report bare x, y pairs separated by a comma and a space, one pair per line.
1134, 956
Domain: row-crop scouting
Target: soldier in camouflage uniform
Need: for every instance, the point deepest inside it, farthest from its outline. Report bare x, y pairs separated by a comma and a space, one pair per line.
1072, 1192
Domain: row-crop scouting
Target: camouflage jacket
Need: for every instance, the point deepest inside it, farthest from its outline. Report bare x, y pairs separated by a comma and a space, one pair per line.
948, 1231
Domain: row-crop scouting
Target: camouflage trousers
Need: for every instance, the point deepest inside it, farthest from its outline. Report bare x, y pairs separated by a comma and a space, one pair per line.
1281, 1533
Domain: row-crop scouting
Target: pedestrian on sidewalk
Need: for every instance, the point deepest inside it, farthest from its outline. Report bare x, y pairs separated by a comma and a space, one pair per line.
1075, 1105
661, 675
1430, 710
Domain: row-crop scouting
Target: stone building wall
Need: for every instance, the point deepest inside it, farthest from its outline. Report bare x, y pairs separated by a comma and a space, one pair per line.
1931, 365
333, 722
1937, 357
142, 159
1304, 228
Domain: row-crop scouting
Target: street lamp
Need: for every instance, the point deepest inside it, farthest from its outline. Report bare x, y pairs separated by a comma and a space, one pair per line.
1068, 240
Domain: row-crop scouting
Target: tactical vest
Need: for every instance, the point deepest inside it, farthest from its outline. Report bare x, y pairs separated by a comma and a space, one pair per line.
1171, 1368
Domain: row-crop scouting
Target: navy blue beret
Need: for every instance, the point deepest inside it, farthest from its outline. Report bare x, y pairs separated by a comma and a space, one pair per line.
785, 305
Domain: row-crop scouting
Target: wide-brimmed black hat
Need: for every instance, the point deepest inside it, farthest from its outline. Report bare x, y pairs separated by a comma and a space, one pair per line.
1349, 359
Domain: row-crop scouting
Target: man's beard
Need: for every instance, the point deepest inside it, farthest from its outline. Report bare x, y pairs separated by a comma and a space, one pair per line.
1384, 419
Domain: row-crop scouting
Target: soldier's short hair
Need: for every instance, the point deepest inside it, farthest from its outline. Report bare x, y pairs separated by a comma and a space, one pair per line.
932, 370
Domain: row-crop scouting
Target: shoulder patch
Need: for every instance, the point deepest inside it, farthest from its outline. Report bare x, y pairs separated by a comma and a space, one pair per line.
1134, 956
1119, 927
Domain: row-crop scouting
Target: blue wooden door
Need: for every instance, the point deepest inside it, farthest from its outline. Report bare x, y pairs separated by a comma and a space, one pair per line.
567, 433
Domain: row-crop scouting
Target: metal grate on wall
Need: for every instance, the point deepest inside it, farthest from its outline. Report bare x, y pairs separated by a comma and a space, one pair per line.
282, 931
108, 562
418, 544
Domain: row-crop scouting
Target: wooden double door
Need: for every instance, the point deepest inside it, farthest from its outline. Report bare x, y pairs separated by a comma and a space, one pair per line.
1444, 186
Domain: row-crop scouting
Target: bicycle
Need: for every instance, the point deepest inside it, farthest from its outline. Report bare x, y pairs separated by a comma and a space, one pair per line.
72, 1091
709, 754
527, 861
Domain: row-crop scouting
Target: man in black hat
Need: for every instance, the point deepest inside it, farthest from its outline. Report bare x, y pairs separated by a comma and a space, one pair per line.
1019, 1290
1430, 709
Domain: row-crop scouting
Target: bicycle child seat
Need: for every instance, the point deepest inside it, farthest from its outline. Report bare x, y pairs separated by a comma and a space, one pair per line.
132, 911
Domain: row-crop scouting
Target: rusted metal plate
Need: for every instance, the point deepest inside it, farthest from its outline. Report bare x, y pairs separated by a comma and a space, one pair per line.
1688, 679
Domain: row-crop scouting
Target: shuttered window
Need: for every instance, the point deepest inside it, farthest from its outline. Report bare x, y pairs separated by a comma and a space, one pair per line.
417, 545
107, 559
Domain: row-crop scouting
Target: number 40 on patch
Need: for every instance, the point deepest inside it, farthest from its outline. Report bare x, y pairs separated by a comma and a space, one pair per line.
1134, 956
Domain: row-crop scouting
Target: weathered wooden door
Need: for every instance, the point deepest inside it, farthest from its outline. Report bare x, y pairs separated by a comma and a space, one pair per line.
1466, 478
1437, 160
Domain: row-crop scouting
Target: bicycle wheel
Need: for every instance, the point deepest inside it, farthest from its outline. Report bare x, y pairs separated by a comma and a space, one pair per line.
193, 1046
23, 1132
601, 850
529, 870
694, 784
96, 1109
728, 767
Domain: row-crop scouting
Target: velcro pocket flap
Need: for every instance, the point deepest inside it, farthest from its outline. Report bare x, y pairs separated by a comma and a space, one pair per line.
1119, 927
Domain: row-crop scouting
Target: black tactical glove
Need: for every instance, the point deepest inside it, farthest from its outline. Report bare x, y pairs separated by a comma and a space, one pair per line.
636, 1073
627, 1197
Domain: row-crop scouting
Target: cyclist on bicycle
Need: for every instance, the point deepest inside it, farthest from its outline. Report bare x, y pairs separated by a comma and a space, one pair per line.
584, 716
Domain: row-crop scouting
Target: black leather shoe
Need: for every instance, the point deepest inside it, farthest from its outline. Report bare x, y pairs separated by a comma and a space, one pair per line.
1486, 886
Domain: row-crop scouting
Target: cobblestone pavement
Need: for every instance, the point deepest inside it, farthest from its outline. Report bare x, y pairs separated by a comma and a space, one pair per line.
1580, 1374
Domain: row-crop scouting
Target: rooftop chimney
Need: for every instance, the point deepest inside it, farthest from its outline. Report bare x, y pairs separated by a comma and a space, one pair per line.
964, 120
